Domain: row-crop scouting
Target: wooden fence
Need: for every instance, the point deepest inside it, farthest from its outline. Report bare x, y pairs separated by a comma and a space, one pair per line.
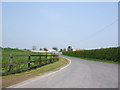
29, 64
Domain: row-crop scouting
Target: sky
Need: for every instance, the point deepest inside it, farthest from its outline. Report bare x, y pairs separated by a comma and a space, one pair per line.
0, 24
82, 25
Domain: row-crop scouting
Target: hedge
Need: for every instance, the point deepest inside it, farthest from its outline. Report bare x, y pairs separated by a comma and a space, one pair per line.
111, 54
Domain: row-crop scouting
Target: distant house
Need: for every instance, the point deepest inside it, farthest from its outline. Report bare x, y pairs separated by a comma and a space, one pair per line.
38, 51
49, 51
52, 51
78, 49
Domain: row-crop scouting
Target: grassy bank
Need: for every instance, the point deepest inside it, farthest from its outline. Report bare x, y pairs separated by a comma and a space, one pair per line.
16, 78
21, 59
10, 51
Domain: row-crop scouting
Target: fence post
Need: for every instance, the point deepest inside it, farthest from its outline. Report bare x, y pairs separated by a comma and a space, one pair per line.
40, 61
50, 58
10, 68
46, 59
53, 58
57, 58
29, 61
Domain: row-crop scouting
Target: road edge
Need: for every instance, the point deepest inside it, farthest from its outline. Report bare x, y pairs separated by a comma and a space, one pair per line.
18, 85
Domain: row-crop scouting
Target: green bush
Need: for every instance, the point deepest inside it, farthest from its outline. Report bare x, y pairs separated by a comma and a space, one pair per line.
103, 54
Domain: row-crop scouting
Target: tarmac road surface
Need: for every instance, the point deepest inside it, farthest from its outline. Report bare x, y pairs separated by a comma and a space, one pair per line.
79, 74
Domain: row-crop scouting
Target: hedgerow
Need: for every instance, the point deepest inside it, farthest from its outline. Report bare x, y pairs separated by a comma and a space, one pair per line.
111, 54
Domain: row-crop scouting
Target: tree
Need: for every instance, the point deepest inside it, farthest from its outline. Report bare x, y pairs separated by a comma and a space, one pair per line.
64, 49
61, 50
16, 48
54, 48
41, 49
69, 48
45, 49
33, 47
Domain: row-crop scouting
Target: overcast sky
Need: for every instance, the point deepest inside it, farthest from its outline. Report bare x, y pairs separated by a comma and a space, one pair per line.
83, 25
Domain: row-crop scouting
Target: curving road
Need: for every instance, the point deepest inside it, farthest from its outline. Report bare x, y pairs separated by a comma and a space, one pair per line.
79, 74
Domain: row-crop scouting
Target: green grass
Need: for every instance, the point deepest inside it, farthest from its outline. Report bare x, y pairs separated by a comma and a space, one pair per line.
98, 60
9, 51
16, 78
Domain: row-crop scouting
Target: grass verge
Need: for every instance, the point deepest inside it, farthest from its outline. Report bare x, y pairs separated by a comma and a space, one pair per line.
19, 77
98, 60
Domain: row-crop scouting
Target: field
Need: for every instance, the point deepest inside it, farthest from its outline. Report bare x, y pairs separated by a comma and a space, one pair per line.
20, 59
10, 51
105, 54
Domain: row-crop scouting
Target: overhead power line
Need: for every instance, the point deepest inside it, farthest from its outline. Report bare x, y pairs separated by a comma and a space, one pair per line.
98, 32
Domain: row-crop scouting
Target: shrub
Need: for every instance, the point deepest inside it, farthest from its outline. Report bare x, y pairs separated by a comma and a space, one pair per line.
104, 53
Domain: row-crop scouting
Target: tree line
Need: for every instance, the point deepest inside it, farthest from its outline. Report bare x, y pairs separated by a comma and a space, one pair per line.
69, 48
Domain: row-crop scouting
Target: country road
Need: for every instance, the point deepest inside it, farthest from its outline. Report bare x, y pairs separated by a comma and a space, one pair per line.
79, 74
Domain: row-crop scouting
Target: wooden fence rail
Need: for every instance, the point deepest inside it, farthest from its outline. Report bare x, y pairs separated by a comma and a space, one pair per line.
29, 63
